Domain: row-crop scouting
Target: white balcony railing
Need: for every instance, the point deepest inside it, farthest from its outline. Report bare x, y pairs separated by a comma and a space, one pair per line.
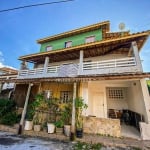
114, 63
97, 67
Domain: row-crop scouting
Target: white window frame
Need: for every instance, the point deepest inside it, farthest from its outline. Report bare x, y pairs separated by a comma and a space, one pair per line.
90, 39
48, 94
68, 44
49, 48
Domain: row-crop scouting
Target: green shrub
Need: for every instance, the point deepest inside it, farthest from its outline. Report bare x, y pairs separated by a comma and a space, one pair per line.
8, 114
6, 106
10, 118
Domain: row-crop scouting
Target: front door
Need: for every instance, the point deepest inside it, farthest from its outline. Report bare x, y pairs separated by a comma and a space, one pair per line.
98, 104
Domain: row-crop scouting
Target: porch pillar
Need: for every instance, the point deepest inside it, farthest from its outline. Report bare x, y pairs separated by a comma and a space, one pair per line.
24, 65
46, 65
136, 55
1, 86
146, 100
81, 62
72, 136
24, 109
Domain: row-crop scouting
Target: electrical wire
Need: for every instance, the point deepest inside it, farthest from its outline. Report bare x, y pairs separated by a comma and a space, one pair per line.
34, 5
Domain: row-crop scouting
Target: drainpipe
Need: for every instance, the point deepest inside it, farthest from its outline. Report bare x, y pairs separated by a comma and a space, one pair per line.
24, 109
72, 136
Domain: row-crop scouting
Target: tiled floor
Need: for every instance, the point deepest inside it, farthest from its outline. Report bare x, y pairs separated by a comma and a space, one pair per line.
129, 131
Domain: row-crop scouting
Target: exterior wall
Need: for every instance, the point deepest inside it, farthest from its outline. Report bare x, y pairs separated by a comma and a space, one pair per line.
56, 88
146, 99
76, 40
21, 91
102, 126
135, 99
118, 104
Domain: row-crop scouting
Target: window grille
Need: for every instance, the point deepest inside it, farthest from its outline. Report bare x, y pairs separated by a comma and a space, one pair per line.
65, 96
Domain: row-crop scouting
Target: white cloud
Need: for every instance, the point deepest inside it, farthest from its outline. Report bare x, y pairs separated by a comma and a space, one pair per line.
2, 61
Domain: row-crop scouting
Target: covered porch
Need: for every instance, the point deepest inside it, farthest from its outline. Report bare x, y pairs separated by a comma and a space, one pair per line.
115, 107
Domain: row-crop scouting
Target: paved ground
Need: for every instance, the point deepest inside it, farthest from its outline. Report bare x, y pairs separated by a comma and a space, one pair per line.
10, 141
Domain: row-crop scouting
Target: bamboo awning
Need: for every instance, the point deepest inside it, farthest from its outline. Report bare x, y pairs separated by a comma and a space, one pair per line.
119, 76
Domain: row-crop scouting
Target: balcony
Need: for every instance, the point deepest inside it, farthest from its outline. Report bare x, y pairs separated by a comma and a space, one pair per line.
88, 68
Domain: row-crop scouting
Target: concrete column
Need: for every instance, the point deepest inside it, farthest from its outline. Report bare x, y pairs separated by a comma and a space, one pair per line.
81, 62
46, 64
137, 57
25, 108
146, 100
24, 65
73, 112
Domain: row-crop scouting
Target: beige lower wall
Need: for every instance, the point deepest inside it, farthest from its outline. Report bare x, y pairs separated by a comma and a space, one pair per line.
135, 99
102, 126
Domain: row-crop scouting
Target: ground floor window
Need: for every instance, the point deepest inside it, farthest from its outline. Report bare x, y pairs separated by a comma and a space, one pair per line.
116, 93
48, 94
65, 96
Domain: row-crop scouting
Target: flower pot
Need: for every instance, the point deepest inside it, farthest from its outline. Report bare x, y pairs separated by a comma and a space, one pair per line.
28, 125
67, 130
79, 133
51, 127
37, 128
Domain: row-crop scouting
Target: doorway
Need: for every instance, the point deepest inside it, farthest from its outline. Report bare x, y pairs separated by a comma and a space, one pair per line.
98, 104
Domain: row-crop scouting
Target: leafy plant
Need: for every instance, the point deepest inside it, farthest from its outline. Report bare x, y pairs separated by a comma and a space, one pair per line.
79, 105
59, 123
66, 113
10, 118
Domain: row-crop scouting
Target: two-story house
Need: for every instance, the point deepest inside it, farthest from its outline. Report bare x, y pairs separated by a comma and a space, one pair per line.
101, 66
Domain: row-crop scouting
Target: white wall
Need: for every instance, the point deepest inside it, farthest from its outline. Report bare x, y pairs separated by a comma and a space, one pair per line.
136, 100
118, 104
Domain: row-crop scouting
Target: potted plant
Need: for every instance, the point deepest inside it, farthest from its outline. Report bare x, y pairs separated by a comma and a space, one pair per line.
36, 122
29, 118
59, 126
66, 117
79, 105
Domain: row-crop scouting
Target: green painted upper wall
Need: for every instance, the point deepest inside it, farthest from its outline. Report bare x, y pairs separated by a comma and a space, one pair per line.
76, 40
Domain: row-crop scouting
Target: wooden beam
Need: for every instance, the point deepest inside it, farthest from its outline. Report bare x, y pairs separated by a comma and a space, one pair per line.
24, 109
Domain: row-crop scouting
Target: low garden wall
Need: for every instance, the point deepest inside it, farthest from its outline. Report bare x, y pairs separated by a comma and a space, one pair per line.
102, 126
12, 129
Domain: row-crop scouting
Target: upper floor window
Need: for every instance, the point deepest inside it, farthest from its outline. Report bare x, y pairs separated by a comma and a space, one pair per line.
49, 48
90, 39
68, 44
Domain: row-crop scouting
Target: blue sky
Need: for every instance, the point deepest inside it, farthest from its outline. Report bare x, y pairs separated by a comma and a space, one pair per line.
20, 29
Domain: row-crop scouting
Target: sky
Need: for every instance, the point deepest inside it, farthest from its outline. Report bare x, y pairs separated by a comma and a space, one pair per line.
19, 29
